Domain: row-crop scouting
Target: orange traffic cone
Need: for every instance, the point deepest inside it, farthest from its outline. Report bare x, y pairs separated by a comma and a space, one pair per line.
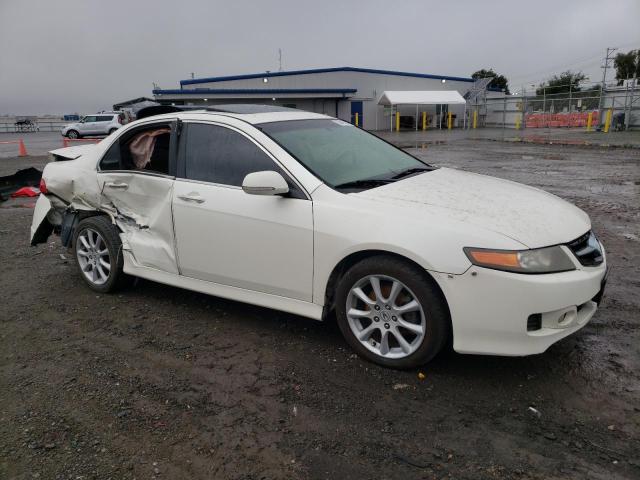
22, 152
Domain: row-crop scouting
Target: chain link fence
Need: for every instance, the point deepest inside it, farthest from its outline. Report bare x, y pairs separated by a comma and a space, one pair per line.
616, 108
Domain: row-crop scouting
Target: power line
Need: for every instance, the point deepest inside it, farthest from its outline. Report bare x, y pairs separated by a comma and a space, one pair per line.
587, 60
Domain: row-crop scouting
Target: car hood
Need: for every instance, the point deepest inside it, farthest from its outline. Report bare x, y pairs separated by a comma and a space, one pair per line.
528, 215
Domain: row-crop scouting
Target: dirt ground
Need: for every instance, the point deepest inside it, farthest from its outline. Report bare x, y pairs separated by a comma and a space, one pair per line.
158, 382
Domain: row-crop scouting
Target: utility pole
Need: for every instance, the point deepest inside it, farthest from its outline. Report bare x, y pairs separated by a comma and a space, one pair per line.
627, 118
279, 59
607, 58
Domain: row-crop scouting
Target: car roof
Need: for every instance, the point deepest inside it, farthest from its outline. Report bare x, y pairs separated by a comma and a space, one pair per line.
254, 114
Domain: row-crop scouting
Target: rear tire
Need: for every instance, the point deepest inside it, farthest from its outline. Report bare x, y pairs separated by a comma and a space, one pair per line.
112, 131
98, 252
404, 325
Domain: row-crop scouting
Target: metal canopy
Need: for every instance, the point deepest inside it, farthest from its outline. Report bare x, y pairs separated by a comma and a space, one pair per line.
422, 97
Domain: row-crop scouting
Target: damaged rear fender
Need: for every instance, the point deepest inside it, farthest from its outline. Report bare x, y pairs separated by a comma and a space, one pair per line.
41, 227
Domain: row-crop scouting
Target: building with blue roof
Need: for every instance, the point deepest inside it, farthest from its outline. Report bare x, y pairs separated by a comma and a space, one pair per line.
349, 93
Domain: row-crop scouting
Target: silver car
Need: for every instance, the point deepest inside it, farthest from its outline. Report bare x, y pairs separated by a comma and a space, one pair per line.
98, 124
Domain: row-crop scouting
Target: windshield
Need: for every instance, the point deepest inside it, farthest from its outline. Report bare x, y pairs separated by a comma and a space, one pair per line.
342, 155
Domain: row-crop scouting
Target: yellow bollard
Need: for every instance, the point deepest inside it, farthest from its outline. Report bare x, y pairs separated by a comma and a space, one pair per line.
475, 118
357, 124
449, 121
397, 121
424, 120
518, 122
607, 121
589, 121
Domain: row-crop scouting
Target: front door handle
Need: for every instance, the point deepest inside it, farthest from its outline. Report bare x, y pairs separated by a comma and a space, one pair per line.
191, 197
118, 185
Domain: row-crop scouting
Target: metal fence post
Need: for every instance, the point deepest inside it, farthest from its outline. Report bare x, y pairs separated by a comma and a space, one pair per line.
504, 113
627, 119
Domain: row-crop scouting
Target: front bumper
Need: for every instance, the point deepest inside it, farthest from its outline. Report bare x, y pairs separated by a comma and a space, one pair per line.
491, 309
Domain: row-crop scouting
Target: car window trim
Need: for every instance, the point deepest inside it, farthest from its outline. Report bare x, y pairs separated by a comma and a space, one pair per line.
173, 154
180, 170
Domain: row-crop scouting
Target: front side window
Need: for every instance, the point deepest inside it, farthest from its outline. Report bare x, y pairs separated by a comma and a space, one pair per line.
89, 119
221, 155
341, 155
145, 150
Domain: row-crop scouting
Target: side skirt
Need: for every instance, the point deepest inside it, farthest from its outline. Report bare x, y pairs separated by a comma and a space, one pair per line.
297, 307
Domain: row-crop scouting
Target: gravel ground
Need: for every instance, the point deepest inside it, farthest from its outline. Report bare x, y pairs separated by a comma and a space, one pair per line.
159, 382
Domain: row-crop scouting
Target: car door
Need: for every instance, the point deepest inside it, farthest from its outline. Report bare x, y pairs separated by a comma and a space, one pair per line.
103, 123
226, 236
137, 184
88, 125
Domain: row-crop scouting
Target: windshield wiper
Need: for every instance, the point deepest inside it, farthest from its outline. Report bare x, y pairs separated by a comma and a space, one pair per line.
365, 183
410, 171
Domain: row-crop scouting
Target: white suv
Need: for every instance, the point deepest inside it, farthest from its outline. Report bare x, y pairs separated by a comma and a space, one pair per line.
98, 124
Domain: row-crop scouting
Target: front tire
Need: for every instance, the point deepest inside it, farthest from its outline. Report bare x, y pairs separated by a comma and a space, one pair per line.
73, 134
98, 252
391, 313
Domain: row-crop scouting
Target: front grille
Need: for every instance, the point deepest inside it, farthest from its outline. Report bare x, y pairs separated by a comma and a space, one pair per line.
587, 250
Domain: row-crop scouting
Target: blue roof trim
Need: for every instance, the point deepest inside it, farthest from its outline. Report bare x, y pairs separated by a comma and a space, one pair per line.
222, 91
194, 81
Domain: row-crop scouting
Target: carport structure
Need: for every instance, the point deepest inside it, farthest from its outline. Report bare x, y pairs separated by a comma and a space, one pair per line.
421, 97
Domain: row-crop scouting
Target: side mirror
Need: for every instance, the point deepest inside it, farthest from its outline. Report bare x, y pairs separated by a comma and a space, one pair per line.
265, 183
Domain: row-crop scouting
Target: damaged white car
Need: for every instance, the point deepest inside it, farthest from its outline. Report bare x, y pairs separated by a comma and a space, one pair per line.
308, 214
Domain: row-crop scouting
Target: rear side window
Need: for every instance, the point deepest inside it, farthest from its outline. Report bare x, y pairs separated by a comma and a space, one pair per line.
221, 155
145, 150
104, 118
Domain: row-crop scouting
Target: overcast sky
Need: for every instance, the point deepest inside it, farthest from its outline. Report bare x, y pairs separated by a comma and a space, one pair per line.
68, 56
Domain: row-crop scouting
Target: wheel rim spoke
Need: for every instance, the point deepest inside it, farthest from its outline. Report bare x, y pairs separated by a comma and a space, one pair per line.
412, 327
375, 284
396, 287
412, 306
363, 296
103, 276
354, 312
84, 242
404, 345
366, 333
384, 343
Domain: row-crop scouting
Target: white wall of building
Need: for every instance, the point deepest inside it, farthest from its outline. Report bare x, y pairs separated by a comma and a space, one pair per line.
369, 88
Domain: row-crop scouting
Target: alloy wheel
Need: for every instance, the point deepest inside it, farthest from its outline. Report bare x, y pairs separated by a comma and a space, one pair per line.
93, 256
385, 316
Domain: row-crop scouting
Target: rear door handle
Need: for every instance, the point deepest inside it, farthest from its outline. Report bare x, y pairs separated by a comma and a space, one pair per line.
191, 197
118, 185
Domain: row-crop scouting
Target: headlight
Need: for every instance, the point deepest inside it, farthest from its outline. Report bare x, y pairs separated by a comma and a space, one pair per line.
541, 260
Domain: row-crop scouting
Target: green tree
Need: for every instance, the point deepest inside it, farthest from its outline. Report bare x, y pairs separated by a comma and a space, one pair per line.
499, 81
627, 65
562, 83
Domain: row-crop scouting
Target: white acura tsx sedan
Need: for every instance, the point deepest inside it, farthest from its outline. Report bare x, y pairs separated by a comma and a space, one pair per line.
308, 214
